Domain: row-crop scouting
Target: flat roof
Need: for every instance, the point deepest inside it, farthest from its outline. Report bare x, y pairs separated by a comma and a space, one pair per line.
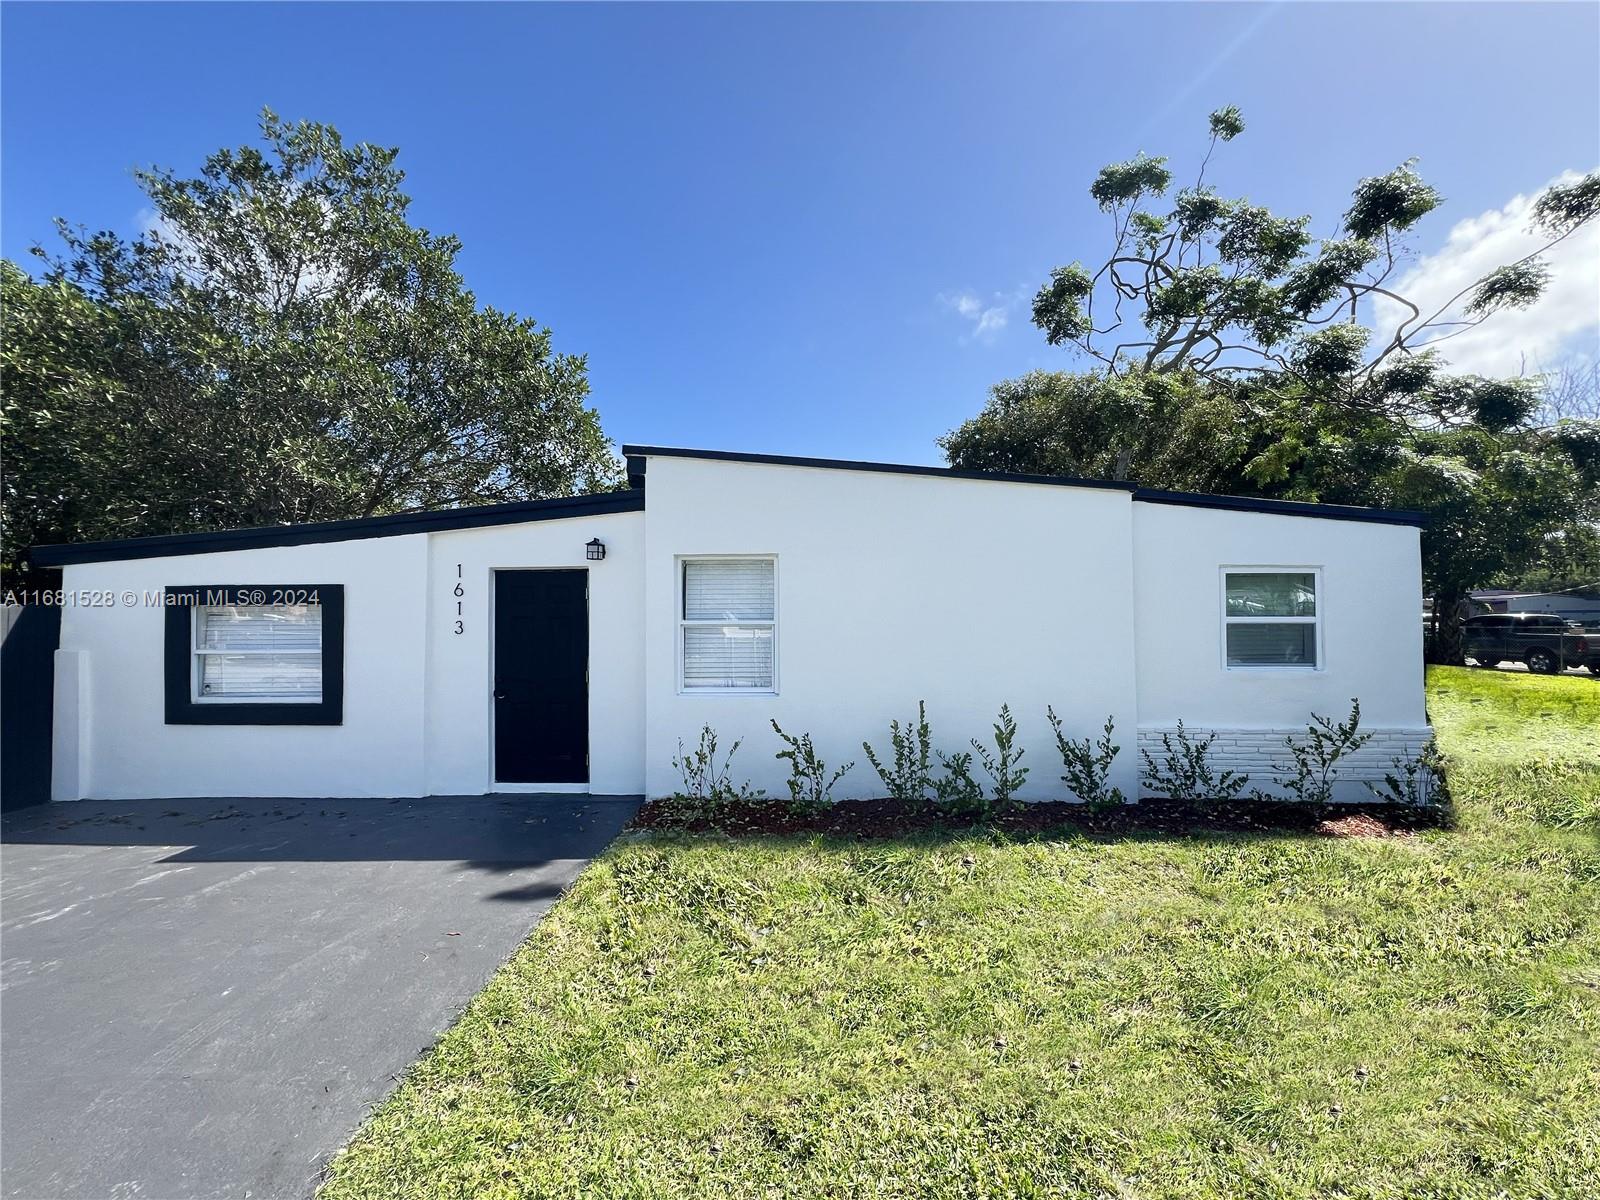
633, 500
1283, 508
395, 525
848, 464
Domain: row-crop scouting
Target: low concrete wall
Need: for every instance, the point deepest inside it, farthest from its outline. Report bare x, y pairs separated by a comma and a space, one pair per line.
1262, 755
27, 675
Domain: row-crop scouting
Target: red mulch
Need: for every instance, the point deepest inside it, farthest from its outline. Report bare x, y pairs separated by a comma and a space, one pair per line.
878, 819
1361, 825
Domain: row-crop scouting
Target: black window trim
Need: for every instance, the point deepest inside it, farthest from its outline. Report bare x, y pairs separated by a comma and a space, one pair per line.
181, 706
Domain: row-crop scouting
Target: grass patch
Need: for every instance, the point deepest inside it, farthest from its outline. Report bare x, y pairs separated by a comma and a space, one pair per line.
945, 1015
1524, 748
1510, 715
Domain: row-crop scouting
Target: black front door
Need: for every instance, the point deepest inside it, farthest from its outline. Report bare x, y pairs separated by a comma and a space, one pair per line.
541, 676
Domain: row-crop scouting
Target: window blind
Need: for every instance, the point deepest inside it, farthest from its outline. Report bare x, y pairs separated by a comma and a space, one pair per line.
261, 627
259, 652
728, 607
728, 589
727, 656
1264, 643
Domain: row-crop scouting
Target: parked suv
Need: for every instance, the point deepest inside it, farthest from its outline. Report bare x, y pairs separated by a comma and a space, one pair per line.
1546, 643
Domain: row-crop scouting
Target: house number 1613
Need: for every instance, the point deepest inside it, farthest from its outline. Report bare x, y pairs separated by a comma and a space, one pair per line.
458, 591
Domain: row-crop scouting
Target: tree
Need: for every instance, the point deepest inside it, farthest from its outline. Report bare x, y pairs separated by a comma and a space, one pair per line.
281, 344
1169, 430
1499, 501
1223, 288
1570, 391
1243, 367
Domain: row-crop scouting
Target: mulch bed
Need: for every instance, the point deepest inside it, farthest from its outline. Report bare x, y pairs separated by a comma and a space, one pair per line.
1362, 824
877, 819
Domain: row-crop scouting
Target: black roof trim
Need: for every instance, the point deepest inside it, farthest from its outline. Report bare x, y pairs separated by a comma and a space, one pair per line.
1283, 508
636, 456
846, 464
396, 525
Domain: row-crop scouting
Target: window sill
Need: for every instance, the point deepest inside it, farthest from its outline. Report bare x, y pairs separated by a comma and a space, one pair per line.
221, 701
1274, 669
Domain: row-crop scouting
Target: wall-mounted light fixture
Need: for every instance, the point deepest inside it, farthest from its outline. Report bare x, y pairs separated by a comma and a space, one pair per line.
595, 550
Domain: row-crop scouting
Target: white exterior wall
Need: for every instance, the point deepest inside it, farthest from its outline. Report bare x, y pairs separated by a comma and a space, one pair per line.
893, 588
1369, 594
459, 697
418, 701
129, 751
890, 588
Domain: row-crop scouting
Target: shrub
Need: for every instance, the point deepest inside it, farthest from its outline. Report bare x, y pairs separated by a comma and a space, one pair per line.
1416, 782
707, 784
1087, 766
956, 791
1002, 766
1185, 773
1316, 756
909, 780
810, 785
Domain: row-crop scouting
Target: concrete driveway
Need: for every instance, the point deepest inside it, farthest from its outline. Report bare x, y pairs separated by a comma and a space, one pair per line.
206, 997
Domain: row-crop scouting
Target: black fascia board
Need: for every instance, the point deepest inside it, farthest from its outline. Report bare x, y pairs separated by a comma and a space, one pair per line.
846, 464
1283, 508
637, 456
356, 529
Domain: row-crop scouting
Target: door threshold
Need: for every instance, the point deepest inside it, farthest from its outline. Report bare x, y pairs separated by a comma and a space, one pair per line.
564, 789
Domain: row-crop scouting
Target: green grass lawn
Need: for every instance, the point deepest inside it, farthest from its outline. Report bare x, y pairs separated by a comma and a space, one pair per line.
962, 1016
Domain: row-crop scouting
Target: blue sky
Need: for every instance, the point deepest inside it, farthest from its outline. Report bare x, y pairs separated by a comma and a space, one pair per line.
812, 230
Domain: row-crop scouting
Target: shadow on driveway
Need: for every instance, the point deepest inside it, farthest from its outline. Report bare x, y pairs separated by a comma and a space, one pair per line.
206, 997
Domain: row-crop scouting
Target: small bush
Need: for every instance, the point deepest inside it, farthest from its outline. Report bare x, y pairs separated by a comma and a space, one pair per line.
810, 785
1316, 756
909, 780
707, 784
1416, 782
956, 791
1087, 766
1002, 767
1185, 773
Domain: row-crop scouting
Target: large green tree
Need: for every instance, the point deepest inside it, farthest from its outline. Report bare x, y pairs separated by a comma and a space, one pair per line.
1518, 501
1232, 355
281, 344
1224, 288
1168, 430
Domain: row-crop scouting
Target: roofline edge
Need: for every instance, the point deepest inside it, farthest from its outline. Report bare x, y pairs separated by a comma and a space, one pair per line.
443, 520
1282, 508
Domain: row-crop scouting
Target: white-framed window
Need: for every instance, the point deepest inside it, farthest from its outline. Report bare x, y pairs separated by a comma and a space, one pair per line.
727, 624
1271, 618
257, 653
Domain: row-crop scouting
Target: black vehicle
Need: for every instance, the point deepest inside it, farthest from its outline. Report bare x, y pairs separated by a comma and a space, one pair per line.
1545, 642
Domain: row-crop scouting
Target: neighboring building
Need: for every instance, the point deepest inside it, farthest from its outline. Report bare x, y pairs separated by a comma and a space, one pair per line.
1574, 606
486, 649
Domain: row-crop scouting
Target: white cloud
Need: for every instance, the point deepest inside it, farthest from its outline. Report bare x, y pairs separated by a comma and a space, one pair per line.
1564, 322
985, 319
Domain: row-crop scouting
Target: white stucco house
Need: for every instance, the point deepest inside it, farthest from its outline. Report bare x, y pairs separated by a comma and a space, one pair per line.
570, 644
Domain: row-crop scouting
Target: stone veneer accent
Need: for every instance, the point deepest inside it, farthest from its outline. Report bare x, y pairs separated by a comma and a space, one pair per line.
1261, 754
